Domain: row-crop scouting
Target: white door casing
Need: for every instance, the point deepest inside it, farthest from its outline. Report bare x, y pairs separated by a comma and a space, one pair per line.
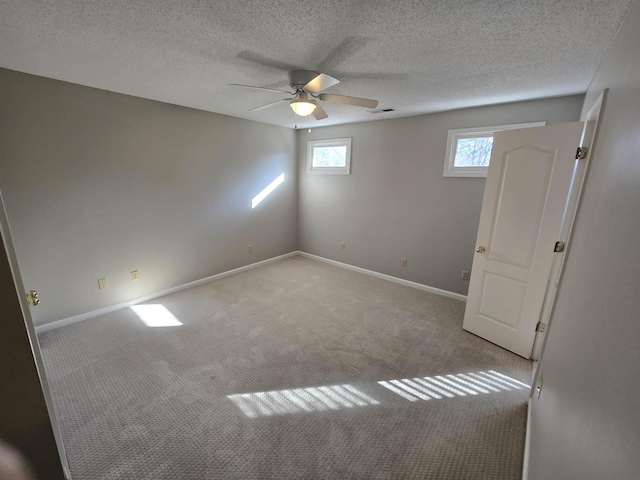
587, 139
522, 210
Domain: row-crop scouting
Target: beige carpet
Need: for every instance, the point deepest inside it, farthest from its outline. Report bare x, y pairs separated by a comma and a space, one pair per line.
296, 369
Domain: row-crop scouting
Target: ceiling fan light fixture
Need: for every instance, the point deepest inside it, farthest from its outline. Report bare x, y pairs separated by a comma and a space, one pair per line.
302, 107
301, 104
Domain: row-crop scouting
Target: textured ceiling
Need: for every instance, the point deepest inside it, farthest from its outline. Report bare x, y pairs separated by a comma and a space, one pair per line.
414, 56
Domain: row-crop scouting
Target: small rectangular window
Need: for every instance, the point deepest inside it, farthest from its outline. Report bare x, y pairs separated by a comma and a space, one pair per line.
329, 156
469, 149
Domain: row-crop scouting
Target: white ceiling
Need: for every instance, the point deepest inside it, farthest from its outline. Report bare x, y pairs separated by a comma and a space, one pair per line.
412, 55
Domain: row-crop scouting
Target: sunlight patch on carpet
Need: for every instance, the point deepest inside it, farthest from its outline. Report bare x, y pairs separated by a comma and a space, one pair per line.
311, 399
451, 386
156, 315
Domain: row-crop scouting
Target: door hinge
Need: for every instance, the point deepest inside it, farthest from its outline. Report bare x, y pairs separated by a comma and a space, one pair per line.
581, 153
559, 247
539, 385
541, 327
32, 298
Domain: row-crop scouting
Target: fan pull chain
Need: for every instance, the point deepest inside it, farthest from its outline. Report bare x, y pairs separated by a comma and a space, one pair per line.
295, 122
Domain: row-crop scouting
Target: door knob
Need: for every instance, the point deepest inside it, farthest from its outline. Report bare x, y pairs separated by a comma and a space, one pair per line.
480, 249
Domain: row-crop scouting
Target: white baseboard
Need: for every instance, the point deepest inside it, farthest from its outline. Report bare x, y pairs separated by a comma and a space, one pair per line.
401, 281
527, 443
118, 306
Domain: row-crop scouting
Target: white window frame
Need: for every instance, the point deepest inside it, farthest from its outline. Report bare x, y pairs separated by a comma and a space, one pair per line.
450, 170
334, 142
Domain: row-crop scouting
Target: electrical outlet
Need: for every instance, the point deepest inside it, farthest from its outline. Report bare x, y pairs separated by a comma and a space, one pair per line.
403, 262
102, 283
342, 245
134, 276
250, 248
465, 275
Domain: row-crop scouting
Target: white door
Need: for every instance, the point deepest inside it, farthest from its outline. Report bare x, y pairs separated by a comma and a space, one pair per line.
524, 202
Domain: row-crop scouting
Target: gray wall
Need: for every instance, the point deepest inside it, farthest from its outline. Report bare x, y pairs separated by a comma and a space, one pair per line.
396, 203
98, 184
586, 424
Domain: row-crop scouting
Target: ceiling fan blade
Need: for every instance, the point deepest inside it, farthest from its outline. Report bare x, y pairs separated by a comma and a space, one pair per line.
259, 88
355, 101
372, 76
319, 113
272, 104
319, 83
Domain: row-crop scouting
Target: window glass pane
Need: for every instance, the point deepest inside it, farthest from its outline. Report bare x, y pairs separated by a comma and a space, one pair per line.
473, 152
330, 156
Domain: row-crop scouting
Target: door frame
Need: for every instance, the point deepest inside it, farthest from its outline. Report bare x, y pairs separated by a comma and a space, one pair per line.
587, 139
10, 253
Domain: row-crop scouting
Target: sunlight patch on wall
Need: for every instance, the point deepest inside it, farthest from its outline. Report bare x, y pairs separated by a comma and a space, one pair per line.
268, 189
450, 386
298, 400
156, 315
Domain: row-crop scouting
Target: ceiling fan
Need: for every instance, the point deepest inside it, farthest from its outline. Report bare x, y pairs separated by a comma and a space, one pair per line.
307, 86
